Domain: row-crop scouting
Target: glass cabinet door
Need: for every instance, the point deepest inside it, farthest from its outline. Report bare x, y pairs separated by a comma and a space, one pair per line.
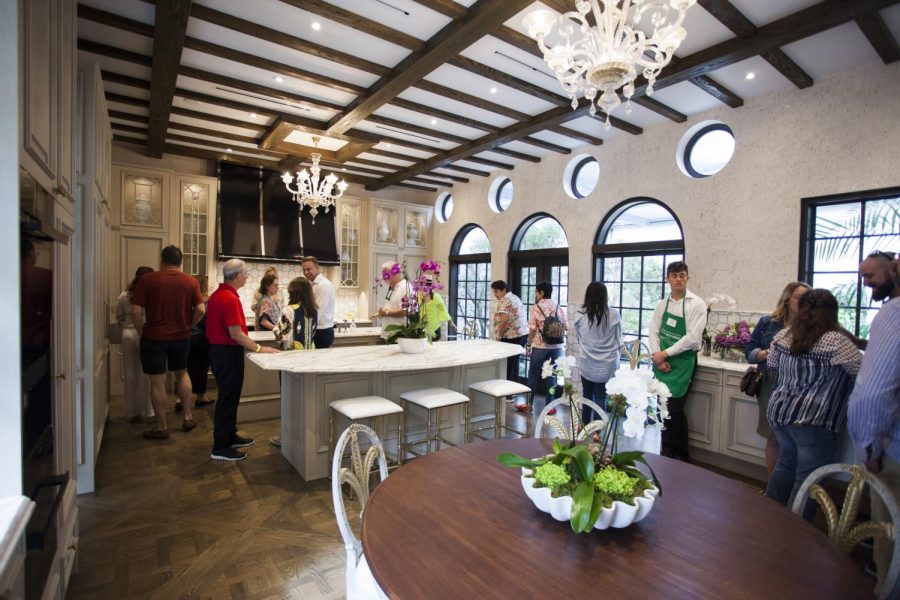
349, 245
195, 227
387, 225
415, 228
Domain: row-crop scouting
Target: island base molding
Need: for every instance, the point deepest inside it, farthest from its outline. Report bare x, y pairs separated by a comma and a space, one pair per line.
306, 397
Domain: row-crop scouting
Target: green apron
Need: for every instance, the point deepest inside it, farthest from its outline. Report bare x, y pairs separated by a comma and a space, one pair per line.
671, 330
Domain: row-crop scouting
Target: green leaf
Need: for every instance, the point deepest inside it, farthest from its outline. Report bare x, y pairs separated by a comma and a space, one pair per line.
557, 447
582, 507
514, 460
596, 507
627, 459
583, 461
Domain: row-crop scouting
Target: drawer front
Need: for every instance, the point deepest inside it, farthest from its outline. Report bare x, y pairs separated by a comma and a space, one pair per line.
708, 375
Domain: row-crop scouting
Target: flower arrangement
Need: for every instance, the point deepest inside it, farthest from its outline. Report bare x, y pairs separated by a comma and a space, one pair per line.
424, 282
733, 335
596, 475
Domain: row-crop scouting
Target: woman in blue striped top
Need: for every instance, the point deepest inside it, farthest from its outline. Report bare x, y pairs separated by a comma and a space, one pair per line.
816, 365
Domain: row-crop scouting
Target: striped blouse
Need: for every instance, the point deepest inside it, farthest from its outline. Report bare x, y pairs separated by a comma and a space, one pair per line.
812, 388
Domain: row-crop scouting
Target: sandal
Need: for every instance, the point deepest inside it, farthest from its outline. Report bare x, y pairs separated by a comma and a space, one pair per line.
188, 424
157, 434
524, 408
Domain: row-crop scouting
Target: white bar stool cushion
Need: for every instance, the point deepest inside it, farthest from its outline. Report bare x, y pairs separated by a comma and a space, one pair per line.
434, 397
365, 407
500, 387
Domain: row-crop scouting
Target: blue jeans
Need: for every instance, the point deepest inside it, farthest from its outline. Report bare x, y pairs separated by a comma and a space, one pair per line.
538, 357
801, 450
596, 392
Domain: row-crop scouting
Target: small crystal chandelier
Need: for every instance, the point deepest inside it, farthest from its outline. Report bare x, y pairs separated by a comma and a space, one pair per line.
310, 191
604, 58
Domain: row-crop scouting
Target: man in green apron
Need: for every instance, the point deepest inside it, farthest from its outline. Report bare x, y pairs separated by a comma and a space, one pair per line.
676, 333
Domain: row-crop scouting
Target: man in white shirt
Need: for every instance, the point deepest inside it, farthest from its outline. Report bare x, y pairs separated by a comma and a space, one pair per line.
676, 334
323, 290
392, 311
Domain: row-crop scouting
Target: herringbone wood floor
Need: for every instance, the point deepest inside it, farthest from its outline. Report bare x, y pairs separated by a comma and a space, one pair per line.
165, 522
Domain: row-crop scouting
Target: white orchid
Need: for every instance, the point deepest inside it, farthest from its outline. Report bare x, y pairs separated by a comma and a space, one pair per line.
720, 298
645, 397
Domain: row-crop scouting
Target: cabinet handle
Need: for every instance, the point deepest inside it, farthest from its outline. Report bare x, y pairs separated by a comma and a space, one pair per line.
60, 375
60, 190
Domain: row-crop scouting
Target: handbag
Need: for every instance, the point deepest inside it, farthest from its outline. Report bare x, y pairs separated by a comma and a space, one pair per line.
751, 382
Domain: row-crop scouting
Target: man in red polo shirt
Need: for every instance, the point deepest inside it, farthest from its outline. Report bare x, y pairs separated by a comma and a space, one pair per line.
165, 305
226, 330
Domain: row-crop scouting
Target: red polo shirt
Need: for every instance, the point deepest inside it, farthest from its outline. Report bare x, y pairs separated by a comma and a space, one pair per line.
168, 297
223, 311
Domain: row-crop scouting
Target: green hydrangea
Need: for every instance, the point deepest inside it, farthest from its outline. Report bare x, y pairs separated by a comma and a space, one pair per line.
551, 476
614, 482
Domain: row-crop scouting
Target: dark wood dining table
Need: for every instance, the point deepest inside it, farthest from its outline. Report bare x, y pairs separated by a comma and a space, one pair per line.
457, 524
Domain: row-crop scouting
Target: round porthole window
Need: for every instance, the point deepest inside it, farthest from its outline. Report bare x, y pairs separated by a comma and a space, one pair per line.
581, 176
443, 208
705, 149
500, 194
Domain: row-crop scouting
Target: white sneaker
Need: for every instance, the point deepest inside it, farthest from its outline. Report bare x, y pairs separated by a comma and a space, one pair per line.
276, 441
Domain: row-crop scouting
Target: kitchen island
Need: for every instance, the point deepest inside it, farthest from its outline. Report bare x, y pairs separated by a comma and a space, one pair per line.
312, 380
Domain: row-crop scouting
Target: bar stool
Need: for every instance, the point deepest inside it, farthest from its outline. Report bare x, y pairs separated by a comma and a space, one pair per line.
499, 390
366, 407
433, 400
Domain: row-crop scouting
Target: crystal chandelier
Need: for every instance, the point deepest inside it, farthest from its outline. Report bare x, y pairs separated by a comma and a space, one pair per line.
313, 192
629, 35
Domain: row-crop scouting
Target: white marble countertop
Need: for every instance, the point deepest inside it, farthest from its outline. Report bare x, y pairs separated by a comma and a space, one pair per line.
357, 332
369, 359
727, 365
14, 514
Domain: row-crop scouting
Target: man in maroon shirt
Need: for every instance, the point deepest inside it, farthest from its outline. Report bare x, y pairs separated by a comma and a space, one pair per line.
165, 305
226, 330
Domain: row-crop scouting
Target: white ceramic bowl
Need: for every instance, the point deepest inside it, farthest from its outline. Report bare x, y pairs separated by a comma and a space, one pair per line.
618, 515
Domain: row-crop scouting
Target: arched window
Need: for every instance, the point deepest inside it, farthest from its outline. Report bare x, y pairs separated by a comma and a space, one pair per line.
635, 243
539, 252
470, 282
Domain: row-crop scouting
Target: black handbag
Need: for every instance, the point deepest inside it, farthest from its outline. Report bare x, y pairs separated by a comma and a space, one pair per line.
751, 382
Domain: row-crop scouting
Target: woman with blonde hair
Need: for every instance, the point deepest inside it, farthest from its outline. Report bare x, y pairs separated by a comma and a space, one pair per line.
137, 384
758, 351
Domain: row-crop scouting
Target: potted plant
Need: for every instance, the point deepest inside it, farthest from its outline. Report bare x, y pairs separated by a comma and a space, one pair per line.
412, 335
594, 486
733, 339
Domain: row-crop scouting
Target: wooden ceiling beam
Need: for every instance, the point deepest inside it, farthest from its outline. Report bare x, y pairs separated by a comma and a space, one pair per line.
127, 116
433, 182
659, 108
488, 162
396, 141
481, 18
379, 120
500, 109
448, 176
282, 39
546, 145
113, 20
169, 31
740, 25
217, 156
552, 117
135, 82
718, 91
517, 155
468, 170
467, 64
115, 53
358, 22
123, 99
443, 114
389, 154
576, 135
411, 186
225, 135
878, 34
202, 116
796, 26
128, 128
518, 40
448, 8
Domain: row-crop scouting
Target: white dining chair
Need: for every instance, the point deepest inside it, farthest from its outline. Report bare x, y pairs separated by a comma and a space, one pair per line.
843, 527
550, 425
360, 582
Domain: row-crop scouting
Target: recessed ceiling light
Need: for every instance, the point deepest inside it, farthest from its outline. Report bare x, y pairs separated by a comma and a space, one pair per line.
252, 115
751, 75
316, 25
228, 150
493, 90
388, 144
343, 168
434, 121
279, 79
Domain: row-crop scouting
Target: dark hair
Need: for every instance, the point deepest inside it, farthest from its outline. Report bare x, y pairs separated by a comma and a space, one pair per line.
545, 288
300, 291
311, 259
596, 303
676, 267
141, 271
499, 285
265, 282
817, 315
171, 255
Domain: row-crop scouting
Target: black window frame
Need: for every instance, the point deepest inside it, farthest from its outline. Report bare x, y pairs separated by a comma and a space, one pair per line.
686, 155
601, 251
806, 268
495, 200
457, 259
573, 180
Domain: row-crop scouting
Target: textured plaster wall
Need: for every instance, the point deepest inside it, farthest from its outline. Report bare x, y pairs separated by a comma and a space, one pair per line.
741, 226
